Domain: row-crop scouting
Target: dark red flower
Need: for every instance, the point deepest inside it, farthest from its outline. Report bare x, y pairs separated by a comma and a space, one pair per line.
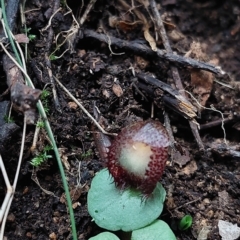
138, 155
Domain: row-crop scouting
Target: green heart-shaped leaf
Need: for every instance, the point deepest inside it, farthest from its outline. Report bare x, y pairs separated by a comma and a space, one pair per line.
158, 230
105, 236
114, 209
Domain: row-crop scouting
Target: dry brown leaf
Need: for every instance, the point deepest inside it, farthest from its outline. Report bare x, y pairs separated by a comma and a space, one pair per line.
190, 168
202, 81
128, 26
196, 52
175, 35
117, 90
75, 193
75, 205
21, 38
64, 158
150, 40
53, 236
170, 203
72, 105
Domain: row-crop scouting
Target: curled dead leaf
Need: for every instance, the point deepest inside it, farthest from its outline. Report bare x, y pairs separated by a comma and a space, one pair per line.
128, 26
64, 158
150, 39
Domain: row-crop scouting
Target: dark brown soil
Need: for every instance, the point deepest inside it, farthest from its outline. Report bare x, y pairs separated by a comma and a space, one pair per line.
206, 185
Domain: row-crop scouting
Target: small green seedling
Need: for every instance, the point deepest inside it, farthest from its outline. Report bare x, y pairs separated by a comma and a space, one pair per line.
40, 124
87, 154
8, 119
53, 57
185, 223
31, 37
42, 157
44, 98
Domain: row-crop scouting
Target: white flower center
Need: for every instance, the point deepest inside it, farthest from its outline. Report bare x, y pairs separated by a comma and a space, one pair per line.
135, 158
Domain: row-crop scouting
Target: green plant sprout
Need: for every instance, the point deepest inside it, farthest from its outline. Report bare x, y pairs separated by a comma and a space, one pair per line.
31, 37
53, 57
185, 223
45, 101
8, 119
40, 124
87, 154
42, 157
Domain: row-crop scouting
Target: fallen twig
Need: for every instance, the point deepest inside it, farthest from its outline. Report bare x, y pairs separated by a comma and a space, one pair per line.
218, 122
178, 102
142, 49
50, 20
88, 9
174, 70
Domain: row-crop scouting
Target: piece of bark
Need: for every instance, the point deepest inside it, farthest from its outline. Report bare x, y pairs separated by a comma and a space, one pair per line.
7, 130
24, 98
174, 100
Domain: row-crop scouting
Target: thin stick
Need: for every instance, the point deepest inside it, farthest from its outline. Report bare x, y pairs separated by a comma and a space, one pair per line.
9, 189
174, 70
31, 10
83, 109
15, 180
144, 50
54, 91
35, 137
88, 9
187, 203
50, 20
218, 122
